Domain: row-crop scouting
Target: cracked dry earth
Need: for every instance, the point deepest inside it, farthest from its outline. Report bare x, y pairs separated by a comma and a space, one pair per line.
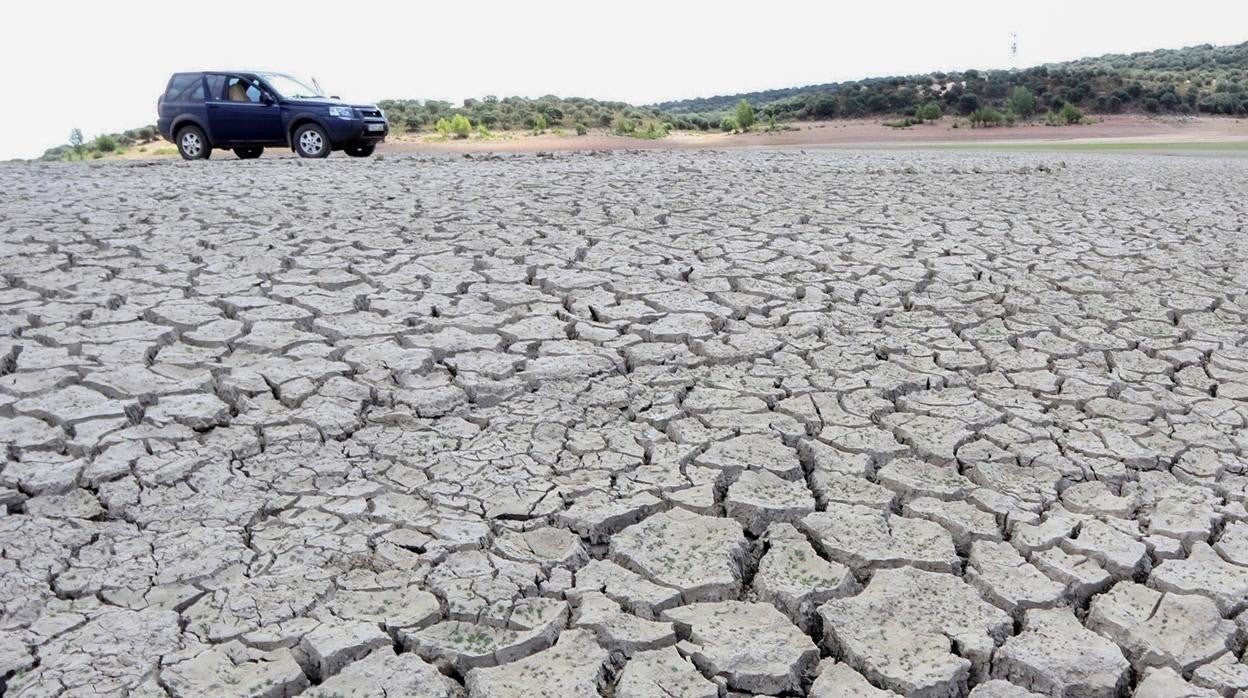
661, 425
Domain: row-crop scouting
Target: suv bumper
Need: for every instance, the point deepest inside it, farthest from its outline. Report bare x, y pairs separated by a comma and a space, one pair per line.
162, 127
343, 132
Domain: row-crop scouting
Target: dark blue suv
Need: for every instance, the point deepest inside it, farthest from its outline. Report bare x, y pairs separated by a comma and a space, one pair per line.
249, 111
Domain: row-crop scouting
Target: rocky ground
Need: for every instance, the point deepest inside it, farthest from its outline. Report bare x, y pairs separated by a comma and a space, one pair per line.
661, 425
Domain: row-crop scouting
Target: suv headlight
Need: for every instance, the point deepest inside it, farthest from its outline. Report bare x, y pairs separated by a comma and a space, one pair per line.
342, 112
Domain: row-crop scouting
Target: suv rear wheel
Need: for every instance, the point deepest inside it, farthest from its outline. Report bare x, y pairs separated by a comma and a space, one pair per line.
193, 144
360, 151
248, 153
311, 141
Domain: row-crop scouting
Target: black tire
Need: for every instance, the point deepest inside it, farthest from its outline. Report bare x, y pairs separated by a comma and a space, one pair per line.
306, 139
192, 143
248, 153
360, 151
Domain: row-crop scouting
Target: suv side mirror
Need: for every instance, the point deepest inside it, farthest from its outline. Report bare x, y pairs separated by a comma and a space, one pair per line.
266, 98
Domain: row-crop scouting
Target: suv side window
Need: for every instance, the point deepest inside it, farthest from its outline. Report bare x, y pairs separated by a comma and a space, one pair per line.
216, 85
242, 90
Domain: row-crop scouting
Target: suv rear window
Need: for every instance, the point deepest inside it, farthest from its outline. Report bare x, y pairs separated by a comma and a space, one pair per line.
178, 84
185, 88
194, 93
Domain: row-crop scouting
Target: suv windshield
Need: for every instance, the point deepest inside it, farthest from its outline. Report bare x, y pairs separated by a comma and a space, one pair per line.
289, 87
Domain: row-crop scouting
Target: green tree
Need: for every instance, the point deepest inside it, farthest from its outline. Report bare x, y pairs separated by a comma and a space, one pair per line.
1022, 102
443, 126
728, 124
539, 123
745, 115
968, 103
105, 143
75, 141
461, 126
823, 106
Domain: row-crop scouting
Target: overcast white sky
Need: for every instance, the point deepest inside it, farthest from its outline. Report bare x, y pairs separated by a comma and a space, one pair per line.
100, 65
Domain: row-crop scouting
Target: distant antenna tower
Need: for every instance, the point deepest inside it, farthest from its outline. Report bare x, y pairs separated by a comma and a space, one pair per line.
1013, 49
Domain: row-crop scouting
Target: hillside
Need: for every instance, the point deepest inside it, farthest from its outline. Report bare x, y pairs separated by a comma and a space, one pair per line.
1206, 79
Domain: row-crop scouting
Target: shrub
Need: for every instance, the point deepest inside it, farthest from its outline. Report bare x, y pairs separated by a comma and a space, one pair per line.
1070, 114
105, 143
1152, 104
968, 103
624, 126
539, 123
484, 132
413, 122
443, 126
745, 115
1022, 102
929, 112
985, 116
581, 129
728, 124
652, 131
461, 126
640, 128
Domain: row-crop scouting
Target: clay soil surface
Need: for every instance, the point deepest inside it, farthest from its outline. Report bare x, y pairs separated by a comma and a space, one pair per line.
696, 423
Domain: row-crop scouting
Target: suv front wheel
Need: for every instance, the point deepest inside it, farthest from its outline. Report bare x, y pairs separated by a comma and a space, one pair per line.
192, 144
311, 141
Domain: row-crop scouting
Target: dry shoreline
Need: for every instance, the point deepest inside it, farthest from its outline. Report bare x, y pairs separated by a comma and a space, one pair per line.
865, 133
841, 133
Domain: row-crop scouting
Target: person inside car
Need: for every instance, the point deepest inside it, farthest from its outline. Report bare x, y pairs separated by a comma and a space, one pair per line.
238, 92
